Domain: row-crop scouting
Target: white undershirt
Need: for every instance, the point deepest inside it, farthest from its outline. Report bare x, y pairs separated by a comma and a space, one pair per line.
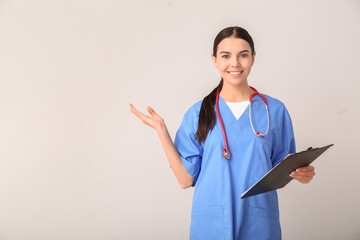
238, 108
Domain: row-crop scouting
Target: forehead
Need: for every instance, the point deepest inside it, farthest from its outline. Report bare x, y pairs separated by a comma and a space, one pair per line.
233, 45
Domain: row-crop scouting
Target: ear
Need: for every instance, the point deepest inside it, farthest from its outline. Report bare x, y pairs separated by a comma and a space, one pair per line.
253, 58
213, 58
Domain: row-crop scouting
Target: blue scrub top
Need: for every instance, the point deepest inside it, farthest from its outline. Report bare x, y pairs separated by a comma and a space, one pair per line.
218, 212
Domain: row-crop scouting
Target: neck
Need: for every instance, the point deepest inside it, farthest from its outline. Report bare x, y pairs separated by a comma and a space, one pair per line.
240, 93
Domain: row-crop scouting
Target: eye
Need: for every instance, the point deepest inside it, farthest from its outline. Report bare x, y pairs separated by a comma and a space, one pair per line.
244, 55
225, 56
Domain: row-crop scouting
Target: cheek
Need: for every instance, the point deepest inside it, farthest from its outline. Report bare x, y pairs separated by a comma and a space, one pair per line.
247, 64
221, 66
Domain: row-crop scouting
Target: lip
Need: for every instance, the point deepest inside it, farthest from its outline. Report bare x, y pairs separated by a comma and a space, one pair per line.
235, 73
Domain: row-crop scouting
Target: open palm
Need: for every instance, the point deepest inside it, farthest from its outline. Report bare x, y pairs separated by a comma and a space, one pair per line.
154, 121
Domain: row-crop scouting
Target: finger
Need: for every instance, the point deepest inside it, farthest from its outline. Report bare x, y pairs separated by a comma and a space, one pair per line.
303, 179
305, 169
302, 174
132, 108
151, 111
305, 173
140, 115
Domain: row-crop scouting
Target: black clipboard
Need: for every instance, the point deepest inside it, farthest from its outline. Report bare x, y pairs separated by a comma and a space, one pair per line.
278, 176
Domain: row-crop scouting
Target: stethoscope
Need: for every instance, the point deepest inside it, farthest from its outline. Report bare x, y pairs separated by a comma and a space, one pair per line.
226, 152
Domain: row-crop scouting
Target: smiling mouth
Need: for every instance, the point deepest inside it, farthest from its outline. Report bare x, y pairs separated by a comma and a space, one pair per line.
235, 73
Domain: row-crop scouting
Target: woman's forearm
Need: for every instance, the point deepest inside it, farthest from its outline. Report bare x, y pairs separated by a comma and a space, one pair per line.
184, 178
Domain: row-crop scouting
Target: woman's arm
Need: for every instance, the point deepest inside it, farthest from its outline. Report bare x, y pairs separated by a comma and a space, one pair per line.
155, 121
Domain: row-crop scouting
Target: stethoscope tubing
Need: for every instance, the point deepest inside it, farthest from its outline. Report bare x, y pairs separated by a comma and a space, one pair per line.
226, 152
257, 133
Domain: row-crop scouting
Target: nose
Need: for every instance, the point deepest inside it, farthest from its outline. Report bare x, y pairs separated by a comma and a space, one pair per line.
235, 62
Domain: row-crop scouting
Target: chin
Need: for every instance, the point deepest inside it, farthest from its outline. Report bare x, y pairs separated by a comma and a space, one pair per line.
235, 82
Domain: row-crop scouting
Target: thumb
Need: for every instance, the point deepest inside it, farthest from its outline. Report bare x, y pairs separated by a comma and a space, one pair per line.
151, 111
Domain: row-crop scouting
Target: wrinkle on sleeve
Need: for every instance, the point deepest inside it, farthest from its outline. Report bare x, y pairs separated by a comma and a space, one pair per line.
188, 147
284, 141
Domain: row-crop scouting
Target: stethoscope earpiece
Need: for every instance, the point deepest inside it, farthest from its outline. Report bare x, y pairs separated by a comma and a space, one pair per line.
226, 152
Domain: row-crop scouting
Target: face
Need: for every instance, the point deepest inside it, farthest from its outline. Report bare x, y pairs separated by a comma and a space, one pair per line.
234, 60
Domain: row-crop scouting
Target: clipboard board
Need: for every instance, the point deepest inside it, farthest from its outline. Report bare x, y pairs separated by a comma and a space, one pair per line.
278, 176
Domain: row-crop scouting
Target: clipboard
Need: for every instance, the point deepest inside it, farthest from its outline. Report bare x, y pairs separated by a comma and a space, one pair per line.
278, 176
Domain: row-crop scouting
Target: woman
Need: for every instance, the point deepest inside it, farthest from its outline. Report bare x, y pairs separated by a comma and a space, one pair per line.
200, 153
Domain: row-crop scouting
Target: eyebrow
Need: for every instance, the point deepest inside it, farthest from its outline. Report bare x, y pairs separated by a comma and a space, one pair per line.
229, 52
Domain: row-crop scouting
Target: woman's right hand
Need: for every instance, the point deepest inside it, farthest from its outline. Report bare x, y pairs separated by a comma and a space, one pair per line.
154, 121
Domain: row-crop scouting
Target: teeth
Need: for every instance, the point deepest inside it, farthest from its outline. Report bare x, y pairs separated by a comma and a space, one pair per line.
234, 73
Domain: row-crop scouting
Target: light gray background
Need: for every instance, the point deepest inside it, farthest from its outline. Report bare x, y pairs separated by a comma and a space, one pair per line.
76, 164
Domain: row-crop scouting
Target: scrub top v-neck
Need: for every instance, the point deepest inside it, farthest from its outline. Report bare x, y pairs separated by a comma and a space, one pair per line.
238, 108
218, 212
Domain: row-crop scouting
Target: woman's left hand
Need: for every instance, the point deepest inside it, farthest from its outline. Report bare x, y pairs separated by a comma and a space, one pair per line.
303, 174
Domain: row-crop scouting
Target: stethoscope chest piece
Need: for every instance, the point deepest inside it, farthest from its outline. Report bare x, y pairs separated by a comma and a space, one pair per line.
226, 154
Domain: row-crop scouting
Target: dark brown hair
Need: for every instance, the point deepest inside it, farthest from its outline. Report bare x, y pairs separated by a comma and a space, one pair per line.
207, 116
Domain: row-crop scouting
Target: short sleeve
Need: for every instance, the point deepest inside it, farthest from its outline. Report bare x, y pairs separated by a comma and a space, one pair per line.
188, 147
284, 143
